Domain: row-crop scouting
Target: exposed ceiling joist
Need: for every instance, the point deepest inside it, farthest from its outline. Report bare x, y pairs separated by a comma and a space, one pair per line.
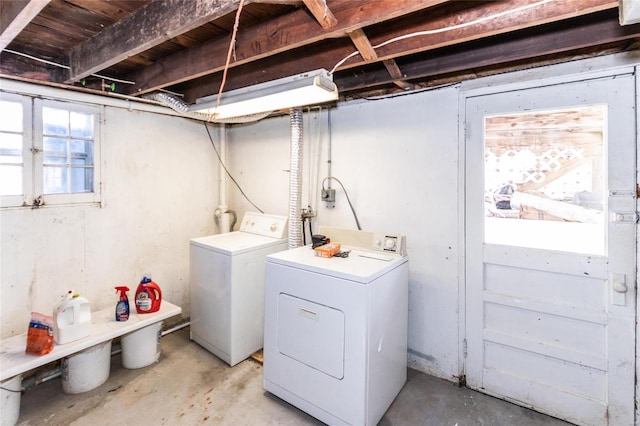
15, 15
362, 43
368, 53
522, 47
155, 23
268, 38
396, 75
321, 12
514, 18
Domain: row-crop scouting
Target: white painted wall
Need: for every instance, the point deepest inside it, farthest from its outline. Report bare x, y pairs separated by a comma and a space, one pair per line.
160, 189
398, 160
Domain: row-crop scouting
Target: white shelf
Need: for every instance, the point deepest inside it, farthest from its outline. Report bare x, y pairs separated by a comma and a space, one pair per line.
104, 327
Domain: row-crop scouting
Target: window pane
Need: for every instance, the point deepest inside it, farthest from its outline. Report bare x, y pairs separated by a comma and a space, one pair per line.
54, 150
55, 180
11, 116
55, 121
82, 152
10, 148
545, 181
82, 179
10, 180
81, 125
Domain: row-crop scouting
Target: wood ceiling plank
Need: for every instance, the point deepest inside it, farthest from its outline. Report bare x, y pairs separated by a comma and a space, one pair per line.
151, 25
322, 13
524, 45
14, 17
431, 19
115, 10
512, 15
263, 40
527, 45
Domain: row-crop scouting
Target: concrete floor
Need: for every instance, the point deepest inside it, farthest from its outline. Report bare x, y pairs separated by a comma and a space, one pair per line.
190, 386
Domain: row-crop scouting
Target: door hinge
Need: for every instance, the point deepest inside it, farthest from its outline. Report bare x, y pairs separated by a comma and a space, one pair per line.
464, 348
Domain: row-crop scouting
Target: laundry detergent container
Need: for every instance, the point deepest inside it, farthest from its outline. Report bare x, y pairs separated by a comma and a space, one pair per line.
86, 370
10, 407
141, 348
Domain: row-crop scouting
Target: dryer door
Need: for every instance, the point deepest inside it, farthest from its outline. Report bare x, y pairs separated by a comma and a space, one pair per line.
312, 334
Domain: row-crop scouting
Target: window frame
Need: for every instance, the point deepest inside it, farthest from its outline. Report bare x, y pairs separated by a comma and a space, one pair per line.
27, 161
33, 186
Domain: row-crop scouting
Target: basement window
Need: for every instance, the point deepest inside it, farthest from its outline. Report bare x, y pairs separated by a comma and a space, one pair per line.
49, 152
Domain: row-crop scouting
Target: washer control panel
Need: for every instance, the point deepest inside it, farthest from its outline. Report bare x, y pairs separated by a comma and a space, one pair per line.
389, 243
265, 224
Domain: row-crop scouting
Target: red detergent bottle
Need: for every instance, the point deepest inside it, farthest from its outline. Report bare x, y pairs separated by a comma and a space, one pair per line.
148, 296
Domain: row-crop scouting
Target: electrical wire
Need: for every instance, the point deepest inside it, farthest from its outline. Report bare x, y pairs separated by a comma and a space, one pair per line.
232, 45
226, 170
355, 216
66, 67
442, 30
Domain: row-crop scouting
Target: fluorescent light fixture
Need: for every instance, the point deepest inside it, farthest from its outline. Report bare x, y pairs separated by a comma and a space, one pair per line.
311, 88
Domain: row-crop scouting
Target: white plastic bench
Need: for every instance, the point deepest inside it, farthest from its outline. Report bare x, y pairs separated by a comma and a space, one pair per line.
104, 327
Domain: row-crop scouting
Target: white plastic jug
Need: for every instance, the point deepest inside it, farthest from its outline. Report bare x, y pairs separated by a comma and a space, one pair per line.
71, 319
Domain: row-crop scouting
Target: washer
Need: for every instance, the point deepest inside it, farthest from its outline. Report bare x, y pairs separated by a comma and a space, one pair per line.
336, 328
227, 286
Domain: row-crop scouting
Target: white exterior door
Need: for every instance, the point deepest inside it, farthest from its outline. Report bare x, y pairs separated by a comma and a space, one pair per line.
550, 247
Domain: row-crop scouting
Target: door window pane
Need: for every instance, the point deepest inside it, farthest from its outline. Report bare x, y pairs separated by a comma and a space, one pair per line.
545, 179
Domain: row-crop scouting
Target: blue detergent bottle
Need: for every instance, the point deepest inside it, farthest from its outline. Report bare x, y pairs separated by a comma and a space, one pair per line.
122, 307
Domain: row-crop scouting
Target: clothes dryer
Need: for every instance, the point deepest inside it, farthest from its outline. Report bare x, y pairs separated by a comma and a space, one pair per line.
227, 286
336, 328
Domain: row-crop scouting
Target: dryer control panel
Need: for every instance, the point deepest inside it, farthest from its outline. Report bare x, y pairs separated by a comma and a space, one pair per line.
371, 241
268, 225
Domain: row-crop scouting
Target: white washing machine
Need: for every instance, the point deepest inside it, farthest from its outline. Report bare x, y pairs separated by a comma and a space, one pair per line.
227, 286
335, 338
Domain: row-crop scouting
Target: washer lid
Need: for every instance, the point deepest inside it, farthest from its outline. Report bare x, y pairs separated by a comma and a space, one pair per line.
235, 242
361, 266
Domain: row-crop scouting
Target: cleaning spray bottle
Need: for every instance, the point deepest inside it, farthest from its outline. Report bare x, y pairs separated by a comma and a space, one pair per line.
148, 296
122, 307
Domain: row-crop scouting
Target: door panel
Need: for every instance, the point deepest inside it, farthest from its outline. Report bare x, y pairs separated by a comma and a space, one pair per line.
550, 248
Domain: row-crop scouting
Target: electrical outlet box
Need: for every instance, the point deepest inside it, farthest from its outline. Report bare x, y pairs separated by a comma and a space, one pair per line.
328, 195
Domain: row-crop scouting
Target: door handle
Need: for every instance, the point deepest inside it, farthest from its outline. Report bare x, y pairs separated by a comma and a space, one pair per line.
619, 283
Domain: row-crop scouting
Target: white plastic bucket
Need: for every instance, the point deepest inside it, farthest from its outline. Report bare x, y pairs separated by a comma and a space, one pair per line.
142, 347
86, 370
10, 408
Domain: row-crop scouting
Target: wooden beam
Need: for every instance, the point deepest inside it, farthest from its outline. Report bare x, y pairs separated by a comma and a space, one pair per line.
269, 38
321, 12
525, 45
15, 15
368, 53
153, 24
362, 43
396, 75
513, 15
435, 18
